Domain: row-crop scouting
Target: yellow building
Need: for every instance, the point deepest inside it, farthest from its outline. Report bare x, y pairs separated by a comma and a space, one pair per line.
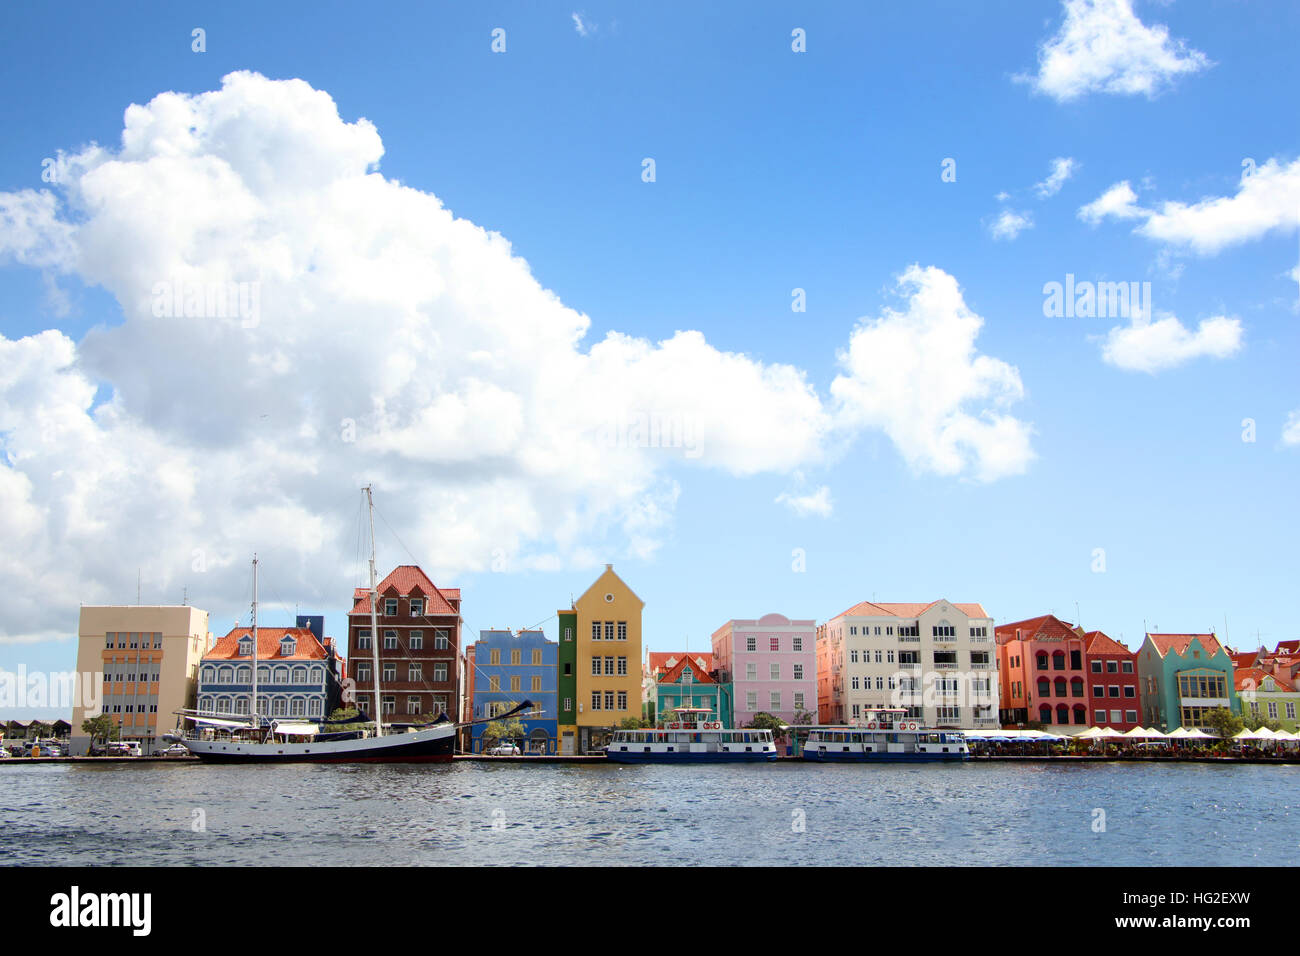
148, 658
607, 660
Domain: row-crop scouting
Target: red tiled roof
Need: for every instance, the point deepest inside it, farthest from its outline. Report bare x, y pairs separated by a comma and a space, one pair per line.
1245, 659
1046, 627
875, 609
659, 660
1289, 648
268, 645
701, 676
1100, 643
405, 580
1179, 642
1257, 675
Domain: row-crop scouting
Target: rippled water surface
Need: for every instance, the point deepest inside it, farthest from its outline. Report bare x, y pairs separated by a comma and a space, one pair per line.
468, 813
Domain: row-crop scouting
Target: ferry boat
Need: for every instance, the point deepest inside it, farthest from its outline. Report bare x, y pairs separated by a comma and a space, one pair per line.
885, 735
691, 738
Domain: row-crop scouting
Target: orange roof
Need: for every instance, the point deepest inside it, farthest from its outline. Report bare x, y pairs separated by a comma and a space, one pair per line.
659, 660
405, 580
1046, 627
1256, 675
1099, 643
1245, 659
1289, 648
701, 676
268, 645
1178, 643
874, 609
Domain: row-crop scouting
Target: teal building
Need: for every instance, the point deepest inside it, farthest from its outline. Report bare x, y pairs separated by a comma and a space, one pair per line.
1181, 677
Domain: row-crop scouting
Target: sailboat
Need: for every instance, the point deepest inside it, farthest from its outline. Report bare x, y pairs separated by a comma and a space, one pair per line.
231, 738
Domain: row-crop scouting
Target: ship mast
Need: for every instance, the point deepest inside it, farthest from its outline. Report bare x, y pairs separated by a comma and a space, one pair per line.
374, 615
257, 724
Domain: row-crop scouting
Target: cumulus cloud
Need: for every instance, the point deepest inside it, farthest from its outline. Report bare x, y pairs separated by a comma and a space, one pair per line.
1266, 201
1151, 346
1010, 224
1102, 47
1063, 167
917, 375
814, 503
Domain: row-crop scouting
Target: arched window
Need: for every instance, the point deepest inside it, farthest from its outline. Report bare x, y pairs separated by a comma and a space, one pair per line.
1044, 687
1076, 687
263, 674
209, 674
318, 675
1058, 661
1062, 714
1060, 687
297, 707
223, 705
226, 675
1045, 714
205, 703
314, 707
277, 707
300, 675
241, 705
1041, 660
243, 675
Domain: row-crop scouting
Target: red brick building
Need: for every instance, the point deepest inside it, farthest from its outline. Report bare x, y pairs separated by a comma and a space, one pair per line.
1113, 694
419, 647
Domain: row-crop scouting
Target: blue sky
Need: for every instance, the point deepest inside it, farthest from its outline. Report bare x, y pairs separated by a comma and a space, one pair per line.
775, 170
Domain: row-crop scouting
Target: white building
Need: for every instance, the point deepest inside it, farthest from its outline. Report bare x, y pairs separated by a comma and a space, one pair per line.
936, 660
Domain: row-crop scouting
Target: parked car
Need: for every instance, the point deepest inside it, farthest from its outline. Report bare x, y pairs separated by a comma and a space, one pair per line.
176, 750
503, 750
123, 748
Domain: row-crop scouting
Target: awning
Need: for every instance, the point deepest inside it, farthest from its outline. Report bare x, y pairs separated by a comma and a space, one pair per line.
296, 727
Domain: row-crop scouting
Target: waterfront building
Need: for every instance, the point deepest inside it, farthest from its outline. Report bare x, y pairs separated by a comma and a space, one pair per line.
1180, 677
605, 628
1042, 674
685, 680
146, 660
509, 669
1113, 693
419, 649
937, 661
768, 664
1265, 694
299, 673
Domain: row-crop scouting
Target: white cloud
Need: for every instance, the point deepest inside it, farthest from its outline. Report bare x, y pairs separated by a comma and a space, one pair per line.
814, 503
395, 343
1063, 167
1010, 224
1118, 202
1266, 201
917, 375
1102, 47
1151, 346
583, 27
1291, 430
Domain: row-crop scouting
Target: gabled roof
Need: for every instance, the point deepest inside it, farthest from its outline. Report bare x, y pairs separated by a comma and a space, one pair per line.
268, 645
1178, 643
609, 570
876, 609
663, 661
674, 673
1289, 648
405, 580
1045, 627
1099, 643
1253, 678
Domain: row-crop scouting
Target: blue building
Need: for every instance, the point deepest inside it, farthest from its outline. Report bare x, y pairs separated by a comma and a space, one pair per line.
506, 669
299, 672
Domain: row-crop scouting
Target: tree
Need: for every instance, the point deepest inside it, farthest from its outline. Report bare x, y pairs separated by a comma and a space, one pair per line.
508, 729
633, 723
1253, 720
1223, 722
804, 717
765, 721
102, 728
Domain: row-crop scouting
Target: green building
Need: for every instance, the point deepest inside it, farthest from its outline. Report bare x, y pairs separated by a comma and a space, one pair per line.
1269, 695
1181, 677
566, 708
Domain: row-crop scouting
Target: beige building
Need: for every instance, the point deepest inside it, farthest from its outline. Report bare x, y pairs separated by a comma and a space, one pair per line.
149, 659
938, 661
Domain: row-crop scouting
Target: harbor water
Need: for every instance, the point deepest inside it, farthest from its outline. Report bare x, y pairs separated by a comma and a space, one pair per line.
1121, 814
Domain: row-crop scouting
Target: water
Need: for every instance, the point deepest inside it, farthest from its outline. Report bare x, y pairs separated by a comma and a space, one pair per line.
470, 813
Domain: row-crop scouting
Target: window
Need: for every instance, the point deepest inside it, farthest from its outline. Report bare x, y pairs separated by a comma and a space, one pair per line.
568, 704
441, 641
414, 672
417, 640
609, 633
390, 610
537, 656
494, 684
776, 700
297, 707
363, 640
798, 672
751, 643
595, 700
855, 681
279, 707
622, 630
390, 640
439, 673
1112, 667
797, 643
390, 672
798, 701
109, 638
514, 683
514, 657
363, 672
622, 700
1095, 666
609, 666
943, 630
751, 671
595, 630
853, 657
300, 675
751, 700
388, 704
417, 610
595, 667
774, 643
774, 671
622, 668
536, 683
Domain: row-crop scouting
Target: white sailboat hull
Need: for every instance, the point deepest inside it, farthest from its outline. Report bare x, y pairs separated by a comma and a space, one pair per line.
432, 745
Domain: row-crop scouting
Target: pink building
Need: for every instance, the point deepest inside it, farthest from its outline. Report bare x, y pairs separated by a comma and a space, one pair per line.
767, 665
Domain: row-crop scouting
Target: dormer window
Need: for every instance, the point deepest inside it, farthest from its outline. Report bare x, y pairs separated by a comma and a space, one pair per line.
288, 647
417, 607
390, 607
245, 647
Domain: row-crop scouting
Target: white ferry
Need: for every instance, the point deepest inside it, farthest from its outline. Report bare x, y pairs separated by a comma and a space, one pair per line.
884, 736
692, 738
